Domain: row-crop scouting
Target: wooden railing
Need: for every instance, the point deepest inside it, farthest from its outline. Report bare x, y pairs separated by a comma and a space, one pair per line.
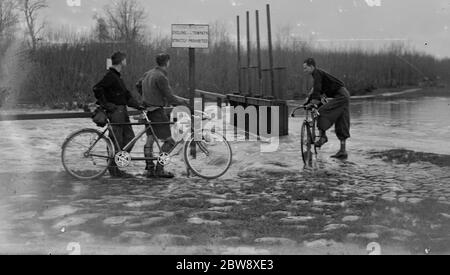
219, 98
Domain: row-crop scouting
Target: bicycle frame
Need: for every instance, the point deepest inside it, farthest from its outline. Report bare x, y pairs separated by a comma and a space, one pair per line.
139, 135
310, 119
314, 112
98, 139
127, 147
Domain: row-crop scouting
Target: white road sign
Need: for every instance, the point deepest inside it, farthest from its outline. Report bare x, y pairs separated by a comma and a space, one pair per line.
190, 36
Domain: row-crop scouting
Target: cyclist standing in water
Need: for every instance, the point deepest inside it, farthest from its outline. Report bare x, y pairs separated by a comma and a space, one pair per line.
157, 94
336, 111
113, 95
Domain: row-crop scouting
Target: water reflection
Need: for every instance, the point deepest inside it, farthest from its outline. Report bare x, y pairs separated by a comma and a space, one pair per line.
415, 124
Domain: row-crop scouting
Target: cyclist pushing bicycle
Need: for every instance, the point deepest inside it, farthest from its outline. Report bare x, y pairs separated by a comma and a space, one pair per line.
156, 94
336, 111
88, 153
114, 97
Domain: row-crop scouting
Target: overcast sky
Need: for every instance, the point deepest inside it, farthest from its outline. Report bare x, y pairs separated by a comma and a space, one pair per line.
425, 24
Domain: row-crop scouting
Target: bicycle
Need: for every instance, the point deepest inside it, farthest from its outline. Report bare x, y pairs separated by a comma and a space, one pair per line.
208, 157
308, 134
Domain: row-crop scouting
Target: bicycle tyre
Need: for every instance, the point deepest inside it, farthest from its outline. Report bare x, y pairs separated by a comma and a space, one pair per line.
87, 173
314, 135
306, 143
195, 170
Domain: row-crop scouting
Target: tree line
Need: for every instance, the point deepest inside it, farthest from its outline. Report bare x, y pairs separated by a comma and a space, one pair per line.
50, 66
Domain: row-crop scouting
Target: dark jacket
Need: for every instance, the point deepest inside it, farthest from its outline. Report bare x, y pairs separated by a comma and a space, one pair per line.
111, 90
156, 89
325, 83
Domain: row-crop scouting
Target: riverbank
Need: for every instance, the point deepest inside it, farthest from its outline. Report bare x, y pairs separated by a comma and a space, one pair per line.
408, 93
395, 93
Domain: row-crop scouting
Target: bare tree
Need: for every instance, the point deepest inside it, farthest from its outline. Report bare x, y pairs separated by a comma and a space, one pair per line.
31, 9
126, 20
219, 33
8, 17
284, 36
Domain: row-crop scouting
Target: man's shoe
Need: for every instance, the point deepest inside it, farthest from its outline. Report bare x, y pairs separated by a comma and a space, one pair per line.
126, 175
150, 174
165, 175
340, 155
160, 173
321, 142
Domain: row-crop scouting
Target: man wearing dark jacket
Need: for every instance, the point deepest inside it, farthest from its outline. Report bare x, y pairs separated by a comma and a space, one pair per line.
336, 111
157, 94
113, 95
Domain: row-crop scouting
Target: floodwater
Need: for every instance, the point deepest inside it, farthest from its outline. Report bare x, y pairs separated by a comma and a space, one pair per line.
393, 191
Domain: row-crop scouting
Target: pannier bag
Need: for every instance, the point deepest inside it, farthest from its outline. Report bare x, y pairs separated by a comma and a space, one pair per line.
99, 117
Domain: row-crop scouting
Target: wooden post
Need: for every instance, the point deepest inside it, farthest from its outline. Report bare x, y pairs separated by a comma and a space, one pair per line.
249, 58
239, 56
219, 106
192, 76
269, 28
203, 102
192, 94
258, 45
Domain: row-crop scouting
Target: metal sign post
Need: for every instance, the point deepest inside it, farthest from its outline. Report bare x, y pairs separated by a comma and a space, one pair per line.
192, 76
191, 36
239, 69
269, 38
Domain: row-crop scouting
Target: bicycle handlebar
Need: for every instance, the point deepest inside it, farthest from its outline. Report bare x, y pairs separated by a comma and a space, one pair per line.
305, 107
197, 113
202, 114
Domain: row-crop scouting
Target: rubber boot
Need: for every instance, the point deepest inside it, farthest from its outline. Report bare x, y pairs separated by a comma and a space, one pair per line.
160, 173
342, 154
322, 140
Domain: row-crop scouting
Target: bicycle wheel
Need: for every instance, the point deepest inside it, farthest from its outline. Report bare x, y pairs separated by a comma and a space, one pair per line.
86, 154
306, 144
314, 135
211, 158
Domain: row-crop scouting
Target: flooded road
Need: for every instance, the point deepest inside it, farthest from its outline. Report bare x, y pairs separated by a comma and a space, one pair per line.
393, 191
